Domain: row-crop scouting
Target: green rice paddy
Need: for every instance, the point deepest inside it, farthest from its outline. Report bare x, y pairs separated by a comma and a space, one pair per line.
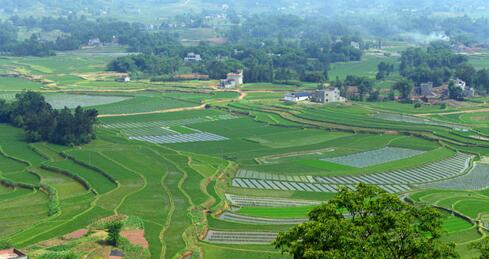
178, 190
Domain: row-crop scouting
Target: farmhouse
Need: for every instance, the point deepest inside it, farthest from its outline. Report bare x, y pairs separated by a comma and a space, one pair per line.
232, 80
355, 45
192, 57
468, 91
297, 97
328, 95
94, 42
12, 253
460, 83
124, 79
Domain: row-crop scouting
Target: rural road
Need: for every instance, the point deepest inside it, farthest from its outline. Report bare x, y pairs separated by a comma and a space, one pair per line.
200, 107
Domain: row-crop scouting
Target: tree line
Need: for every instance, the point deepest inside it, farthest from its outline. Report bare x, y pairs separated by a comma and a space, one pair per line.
76, 32
41, 122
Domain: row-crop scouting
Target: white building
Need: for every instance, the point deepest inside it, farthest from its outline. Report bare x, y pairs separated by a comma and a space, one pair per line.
94, 42
232, 80
297, 97
12, 253
238, 77
227, 84
328, 95
192, 57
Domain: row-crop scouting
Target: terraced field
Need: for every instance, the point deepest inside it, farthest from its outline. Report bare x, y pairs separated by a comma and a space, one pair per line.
374, 157
394, 182
221, 182
59, 101
476, 179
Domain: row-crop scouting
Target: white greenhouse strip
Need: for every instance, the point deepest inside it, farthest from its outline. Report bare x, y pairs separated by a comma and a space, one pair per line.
374, 157
475, 179
392, 181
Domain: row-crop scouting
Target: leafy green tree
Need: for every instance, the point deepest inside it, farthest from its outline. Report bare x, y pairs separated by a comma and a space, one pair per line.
405, 88
466, 72
367, 223
113, 233
483, 247
40, 121
455, 92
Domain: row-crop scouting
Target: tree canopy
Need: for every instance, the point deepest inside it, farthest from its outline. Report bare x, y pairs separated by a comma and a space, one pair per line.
41, 122
367, 223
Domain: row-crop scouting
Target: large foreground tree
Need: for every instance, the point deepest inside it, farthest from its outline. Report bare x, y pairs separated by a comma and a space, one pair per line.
367, 223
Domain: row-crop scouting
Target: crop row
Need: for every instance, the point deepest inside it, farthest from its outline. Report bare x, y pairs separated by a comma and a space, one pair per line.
475, 179
180, 138
249, 201
229, 216
416, 120
166, 123
308, 187
431, 172
374, 157
148, 131
243, 173
240, 237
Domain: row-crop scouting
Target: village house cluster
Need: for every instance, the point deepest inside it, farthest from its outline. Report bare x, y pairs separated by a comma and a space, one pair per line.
328, 95
432, 94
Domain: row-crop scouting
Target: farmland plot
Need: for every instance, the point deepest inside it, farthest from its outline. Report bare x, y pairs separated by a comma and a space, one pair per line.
393, 181
417, 120
226, 237
250, 201
475, 179
374, 157
230, 216
180, 138
165, 131
59, 101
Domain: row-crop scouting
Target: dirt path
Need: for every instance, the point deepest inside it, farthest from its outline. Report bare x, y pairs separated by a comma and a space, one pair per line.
200, 107
455, 112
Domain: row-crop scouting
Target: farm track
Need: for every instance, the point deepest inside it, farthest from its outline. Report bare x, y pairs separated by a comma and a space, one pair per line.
199, 107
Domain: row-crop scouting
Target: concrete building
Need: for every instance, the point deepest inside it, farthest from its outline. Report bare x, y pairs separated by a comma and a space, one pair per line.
426, 89
328, 95
460, 83
192, 57
94, 42
12, 253
227, 84
238, 77
468, 91
124, 79
297, 97
232, 80
355, 44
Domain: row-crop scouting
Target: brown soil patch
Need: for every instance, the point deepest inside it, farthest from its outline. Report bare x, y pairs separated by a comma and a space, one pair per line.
391, 132
51, 242
76, 234
136, 237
